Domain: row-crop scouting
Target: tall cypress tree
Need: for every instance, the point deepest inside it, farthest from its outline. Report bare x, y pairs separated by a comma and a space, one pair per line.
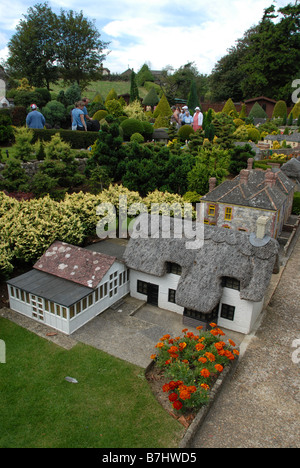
134, 92
193, 100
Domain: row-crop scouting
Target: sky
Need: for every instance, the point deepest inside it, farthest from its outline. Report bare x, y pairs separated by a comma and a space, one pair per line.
157, 32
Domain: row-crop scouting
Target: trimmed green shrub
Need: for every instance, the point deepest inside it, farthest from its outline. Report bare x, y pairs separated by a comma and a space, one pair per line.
253, 134
151, 99
280, 109
100, 114
163, 108
137, 137
131, 126
77, 140
257, 112
147, 130
111, 95
185, 131
54, 113
73, 94
230, 109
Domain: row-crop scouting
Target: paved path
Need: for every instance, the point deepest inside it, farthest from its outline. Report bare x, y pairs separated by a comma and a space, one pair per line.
259, 407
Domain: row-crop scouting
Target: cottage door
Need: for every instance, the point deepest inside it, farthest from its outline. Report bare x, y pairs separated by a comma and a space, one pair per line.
37, 308
152, 294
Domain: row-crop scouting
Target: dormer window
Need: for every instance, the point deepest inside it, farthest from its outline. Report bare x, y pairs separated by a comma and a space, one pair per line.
232, 283
174, 268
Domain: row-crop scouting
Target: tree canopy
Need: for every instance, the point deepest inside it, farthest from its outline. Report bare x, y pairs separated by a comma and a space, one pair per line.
47, 46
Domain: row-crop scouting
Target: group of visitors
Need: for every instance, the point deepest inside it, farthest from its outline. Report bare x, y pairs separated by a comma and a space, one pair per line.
183, 117
79, 116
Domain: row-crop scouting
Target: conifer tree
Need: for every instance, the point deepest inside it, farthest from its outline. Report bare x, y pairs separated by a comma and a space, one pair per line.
134, 92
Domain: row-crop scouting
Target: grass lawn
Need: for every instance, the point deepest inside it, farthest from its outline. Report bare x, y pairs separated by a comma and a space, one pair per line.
102, 87
111, 406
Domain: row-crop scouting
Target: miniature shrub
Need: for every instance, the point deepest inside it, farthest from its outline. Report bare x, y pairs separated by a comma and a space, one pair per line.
192, 363
296, 204
253, 134
137, 137
23, 140
163, 108
73, 94
54, 113
134, 110
295, 112
131, 126
257, 112
77, 140
229, 108
114, 108
238, 122
100, 114
161, 121
280, 109
111, 95
151, 99
185, 131
147, 130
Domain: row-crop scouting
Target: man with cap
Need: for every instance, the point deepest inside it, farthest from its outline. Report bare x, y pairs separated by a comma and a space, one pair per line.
35, 119
197, 119
182, 113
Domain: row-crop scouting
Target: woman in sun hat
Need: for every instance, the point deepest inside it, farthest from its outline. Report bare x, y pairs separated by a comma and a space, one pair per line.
197, 119
35, 119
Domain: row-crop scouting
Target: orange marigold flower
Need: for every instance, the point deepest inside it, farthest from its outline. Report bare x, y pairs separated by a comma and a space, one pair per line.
205, 373
185, 361
199, 346
153, 356
213, 325
165, 337
174, 355
229, 355
235, 351
231, 342
184, 330
221, 352
218, 346
210, 356
205, 386
173, 349
202, 359
172, 385
168, 361
218, 367
199, 327
177, 405
182, 345
159, 345
192, 389
184, 395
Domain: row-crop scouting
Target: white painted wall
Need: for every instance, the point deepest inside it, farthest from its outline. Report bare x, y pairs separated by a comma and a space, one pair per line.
166, 282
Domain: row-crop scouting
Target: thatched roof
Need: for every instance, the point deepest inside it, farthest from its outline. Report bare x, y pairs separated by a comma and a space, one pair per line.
224, 253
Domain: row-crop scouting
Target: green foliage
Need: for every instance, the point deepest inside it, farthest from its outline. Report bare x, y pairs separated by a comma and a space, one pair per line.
100, 114
253, 134
257, 112
137, 137
193, 100
163, 108
161, 121
229, 108
54, 113
77, 140
114, 108
224, 129
111, 95
23, 140
134, 91
296, 110
73, 94
296, 204
14, 177
152, 98
144, 74
185, 131
131, 126
210, 162
280, 109
239, 158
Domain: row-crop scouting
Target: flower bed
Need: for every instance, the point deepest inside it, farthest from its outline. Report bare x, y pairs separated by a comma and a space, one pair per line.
190, 365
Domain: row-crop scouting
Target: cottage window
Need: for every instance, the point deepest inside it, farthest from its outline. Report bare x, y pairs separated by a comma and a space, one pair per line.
142, 287
172, 296
174, 268
211, 210
228, 214
231, 283
72, 312
12, 292
227, 312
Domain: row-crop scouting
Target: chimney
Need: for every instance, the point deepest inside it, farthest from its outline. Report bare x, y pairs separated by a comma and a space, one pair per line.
250, 164
212, 183
244, 175
270, 178
261, 226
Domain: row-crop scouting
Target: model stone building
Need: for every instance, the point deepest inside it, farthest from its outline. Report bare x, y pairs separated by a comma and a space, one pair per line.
238, 203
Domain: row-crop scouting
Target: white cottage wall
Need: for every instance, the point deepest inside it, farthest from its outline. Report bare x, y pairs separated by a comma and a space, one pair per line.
166, 282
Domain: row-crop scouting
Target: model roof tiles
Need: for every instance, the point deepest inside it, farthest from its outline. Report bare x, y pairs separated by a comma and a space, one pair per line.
75, 264
253, 189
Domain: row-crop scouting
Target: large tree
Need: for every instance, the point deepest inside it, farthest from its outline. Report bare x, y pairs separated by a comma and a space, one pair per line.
47, 46
79, 48
32, 49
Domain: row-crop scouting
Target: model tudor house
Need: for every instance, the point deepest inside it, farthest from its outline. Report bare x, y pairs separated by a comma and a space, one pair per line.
224, 281
238, 203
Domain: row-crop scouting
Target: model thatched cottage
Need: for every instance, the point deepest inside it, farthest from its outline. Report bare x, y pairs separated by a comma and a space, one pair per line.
224, 281
238, 203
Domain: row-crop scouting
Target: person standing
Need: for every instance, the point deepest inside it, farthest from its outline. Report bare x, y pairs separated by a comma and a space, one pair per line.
34, 118
197, 119
78, 120
187, 118
175, 117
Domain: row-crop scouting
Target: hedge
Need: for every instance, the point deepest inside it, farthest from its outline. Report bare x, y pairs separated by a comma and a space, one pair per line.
77, 139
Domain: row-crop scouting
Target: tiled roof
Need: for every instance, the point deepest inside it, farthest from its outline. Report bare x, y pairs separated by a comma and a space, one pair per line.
75, 264
255, 193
